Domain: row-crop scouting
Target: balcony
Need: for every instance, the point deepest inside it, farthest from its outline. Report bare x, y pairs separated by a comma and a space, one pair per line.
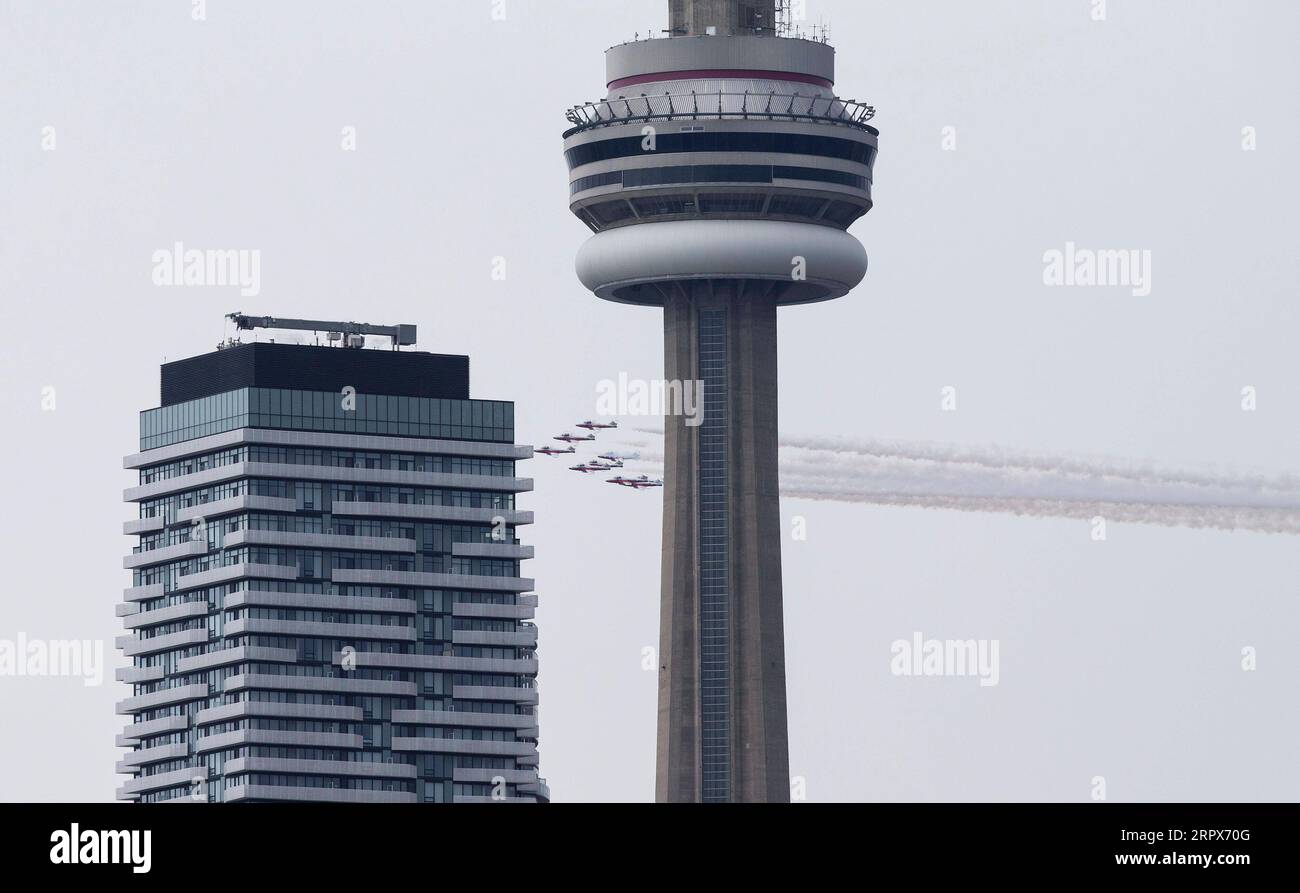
396, 477
315, 795
464, 719
467, 746
143, 525
290, 539
325, 712
335, 440
520, 611
233, 505
229, 572
143, 757
339, 684
815, 109
289, 766
140, 730
519, 695
471, 798
489, 776
143, 593
135, 675
147, 784
224, 740
492, 550
320, 602
523, 637
166, 615
421, 512
524, 666
208, 476
133, 646
227, 656
319, 629
540, 788
334, 473
164, 554
431, 581
176, 695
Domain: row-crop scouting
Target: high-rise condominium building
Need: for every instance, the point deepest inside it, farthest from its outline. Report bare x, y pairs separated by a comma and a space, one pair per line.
326, 602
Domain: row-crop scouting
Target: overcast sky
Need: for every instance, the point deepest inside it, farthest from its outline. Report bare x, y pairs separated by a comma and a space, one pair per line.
1119, 659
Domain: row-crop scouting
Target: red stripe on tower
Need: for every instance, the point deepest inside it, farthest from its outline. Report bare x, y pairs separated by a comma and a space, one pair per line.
720, 74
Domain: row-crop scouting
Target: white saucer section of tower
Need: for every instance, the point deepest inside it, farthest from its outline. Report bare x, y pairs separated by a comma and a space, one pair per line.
719, 177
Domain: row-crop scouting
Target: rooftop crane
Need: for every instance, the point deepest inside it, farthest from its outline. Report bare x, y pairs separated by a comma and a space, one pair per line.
352, 334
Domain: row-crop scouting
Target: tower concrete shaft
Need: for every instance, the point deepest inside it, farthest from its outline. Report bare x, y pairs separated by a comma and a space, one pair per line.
722, 700
719, 176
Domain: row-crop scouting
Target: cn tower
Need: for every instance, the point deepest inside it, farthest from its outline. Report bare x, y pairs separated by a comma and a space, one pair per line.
719, 176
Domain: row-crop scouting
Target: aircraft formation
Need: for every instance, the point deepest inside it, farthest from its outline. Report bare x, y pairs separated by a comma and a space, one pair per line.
602, 464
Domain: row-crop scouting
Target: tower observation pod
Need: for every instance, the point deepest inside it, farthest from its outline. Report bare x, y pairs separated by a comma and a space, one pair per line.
719, 176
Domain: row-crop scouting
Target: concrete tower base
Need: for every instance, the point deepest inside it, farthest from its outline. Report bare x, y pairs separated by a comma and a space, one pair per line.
722, 702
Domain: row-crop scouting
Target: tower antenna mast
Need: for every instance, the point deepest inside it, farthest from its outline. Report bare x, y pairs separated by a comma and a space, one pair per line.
784, 18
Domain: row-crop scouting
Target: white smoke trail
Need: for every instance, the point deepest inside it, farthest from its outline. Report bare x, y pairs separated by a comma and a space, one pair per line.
992, 479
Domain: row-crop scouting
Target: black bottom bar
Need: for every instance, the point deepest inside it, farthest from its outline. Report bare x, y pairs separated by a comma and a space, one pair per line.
253, 844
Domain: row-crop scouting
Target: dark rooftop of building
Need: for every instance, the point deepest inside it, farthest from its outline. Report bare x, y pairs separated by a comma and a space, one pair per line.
309, 368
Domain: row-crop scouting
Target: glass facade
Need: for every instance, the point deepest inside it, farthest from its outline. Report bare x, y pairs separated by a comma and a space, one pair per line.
698, 173
734, 141
614, 178
715, 650
474, 420
715, 173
